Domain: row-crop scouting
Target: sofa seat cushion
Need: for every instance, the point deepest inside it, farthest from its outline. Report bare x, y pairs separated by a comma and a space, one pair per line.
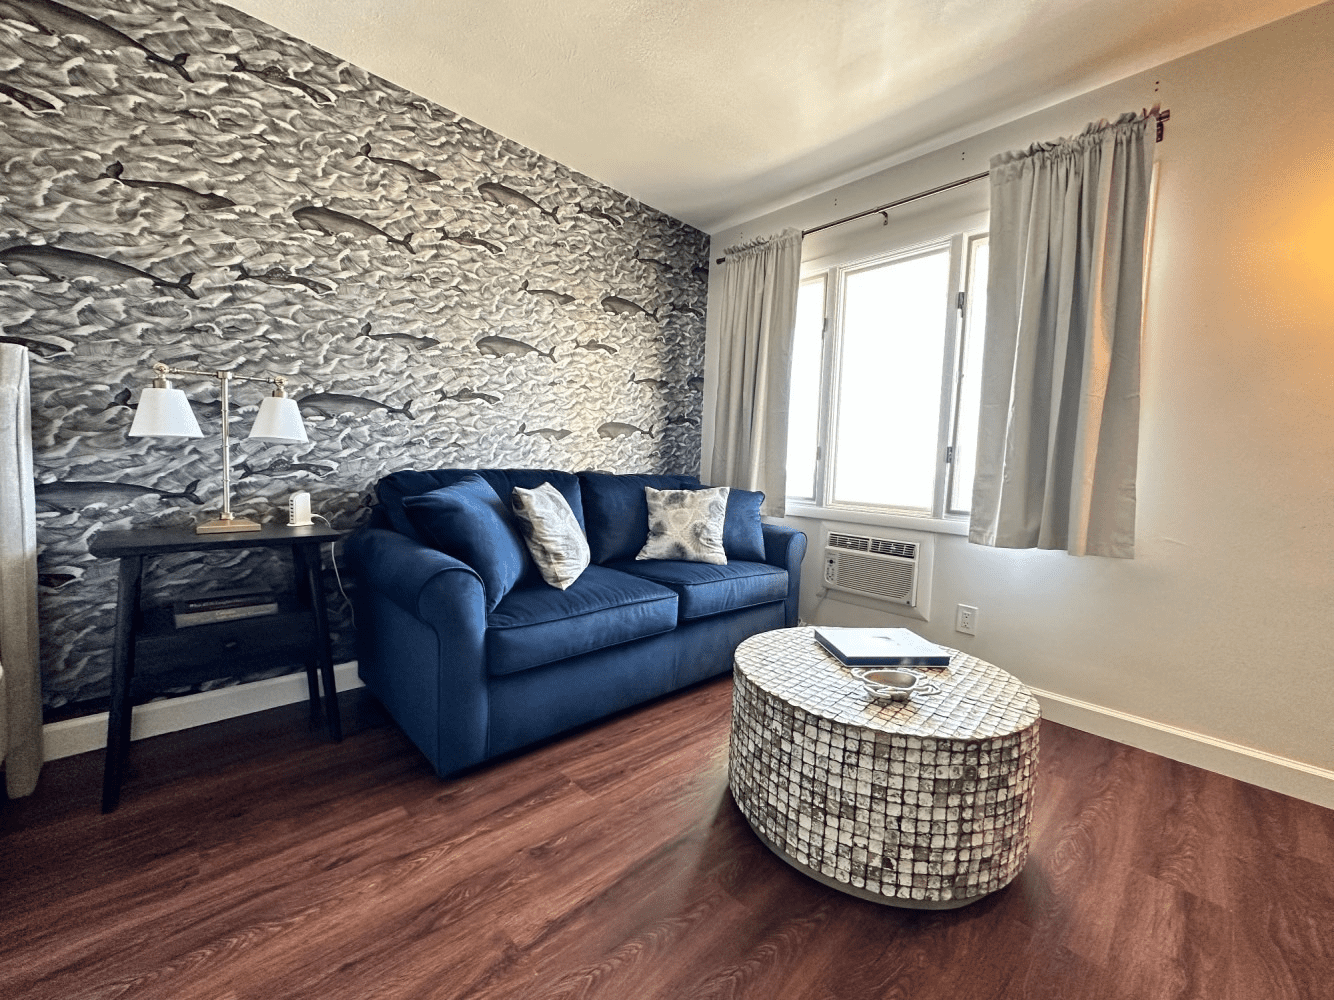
707, 589
538, 624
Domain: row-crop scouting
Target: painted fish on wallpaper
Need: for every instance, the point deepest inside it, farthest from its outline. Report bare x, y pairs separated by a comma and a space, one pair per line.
332, 223
57, 264
277, 276
598, 213
616, 429
624, 307
560, 298
30, 101
54, 581
695, 382
680, 418
499, 346
331, 404
661, 265
465, 394
121, 398
408, 339
41, 348
550, 433
273, 74
593, 345
68, 497
203, 201
424, 176
469, 240
282, 467
689, 309
652, 383
499, 194
57, 19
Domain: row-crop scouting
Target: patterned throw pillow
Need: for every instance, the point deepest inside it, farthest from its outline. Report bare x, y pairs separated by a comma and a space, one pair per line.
555, 540
686, 525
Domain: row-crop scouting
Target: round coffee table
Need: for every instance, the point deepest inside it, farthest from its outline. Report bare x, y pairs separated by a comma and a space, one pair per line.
924, 804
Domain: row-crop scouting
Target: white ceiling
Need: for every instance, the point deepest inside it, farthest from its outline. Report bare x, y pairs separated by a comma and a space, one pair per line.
716, 111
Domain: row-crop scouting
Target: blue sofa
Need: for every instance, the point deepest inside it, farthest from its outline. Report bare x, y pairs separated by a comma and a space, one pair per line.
468, 682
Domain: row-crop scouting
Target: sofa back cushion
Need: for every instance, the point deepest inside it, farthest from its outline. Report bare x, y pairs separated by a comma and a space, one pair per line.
470, 522
616, 513
743, 532
393, 489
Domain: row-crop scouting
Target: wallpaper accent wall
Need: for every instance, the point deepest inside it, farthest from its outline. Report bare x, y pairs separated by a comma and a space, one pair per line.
182, 183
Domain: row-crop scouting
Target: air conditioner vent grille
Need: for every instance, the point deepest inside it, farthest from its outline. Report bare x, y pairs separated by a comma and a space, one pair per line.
879, 546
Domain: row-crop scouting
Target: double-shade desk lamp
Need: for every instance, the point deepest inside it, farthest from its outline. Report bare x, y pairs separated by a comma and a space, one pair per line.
165, 412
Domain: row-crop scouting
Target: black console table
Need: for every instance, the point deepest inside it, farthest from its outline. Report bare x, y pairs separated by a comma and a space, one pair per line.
148, 644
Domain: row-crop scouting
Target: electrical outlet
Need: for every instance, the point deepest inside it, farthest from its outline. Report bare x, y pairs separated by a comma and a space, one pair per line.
965, 619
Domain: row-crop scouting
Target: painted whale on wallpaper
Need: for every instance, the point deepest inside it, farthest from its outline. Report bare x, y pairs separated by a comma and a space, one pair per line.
464, 395
332, 223
30, 101
57, 19
57, 264
550, 433
282, 467
469, 240
560, 298
407, 339
652, 383
203, 201
616, 429
500, 346
425, 176
661, 265
277, 276
68, 497
499, 194
681, 418
274, 74
331, 404
593, 345
624, 307
599, 214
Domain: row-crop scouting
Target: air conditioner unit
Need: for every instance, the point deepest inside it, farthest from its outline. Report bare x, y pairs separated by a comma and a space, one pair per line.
883, 568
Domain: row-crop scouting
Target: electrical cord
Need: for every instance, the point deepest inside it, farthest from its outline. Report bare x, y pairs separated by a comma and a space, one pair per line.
338, 576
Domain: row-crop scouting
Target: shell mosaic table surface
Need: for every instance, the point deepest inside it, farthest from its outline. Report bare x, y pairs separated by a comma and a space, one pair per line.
924, 803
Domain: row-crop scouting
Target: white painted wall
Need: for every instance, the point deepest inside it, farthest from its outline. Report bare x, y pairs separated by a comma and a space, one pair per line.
1223, 624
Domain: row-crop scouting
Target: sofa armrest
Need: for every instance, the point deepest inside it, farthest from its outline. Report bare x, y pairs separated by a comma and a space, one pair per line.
421, 643
786, 547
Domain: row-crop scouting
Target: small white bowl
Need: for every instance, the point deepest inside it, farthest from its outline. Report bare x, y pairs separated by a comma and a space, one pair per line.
894, 684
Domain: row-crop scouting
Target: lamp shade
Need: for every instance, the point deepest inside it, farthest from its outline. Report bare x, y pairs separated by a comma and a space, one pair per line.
279, 422
164, 413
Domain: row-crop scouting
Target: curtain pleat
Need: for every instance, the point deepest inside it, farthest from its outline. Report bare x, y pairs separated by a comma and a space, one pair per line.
758, 312
20, 679
1058, 431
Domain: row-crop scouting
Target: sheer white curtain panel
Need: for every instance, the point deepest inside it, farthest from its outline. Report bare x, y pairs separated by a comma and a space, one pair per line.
758, 312
20, 679
1058, 432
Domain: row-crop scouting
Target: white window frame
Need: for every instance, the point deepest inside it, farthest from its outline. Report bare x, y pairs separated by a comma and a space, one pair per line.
958, 232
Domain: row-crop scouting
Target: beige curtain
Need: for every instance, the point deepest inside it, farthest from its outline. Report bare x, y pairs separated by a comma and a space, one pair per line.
758, 312
1059, 426
20, 680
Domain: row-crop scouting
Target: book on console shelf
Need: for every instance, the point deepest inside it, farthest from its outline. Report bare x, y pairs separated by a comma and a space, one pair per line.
224, 607
864, 647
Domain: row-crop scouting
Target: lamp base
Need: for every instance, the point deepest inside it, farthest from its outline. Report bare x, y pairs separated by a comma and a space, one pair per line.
221, 524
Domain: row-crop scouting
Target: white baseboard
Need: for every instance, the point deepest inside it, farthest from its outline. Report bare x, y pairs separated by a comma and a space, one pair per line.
1280, 774
74, 736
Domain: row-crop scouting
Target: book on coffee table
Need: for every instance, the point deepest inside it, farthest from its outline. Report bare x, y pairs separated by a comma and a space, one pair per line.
861, 647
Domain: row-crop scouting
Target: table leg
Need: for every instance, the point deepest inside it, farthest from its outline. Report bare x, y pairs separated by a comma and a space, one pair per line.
122, 680
307, 560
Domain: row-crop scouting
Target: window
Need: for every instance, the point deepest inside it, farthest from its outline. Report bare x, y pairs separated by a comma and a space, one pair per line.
884, 394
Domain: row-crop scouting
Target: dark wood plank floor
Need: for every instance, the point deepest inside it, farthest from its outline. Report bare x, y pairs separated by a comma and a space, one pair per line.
252, 859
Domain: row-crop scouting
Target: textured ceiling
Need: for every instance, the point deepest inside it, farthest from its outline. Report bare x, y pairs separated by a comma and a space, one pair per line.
716, 111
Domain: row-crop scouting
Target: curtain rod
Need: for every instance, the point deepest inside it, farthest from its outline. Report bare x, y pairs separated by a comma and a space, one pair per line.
1162, 116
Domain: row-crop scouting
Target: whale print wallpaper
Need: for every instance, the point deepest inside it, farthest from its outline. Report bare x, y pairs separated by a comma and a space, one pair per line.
182, 183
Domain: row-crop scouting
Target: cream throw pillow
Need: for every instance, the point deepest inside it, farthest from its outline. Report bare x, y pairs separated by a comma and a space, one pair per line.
554, 538
686, 525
